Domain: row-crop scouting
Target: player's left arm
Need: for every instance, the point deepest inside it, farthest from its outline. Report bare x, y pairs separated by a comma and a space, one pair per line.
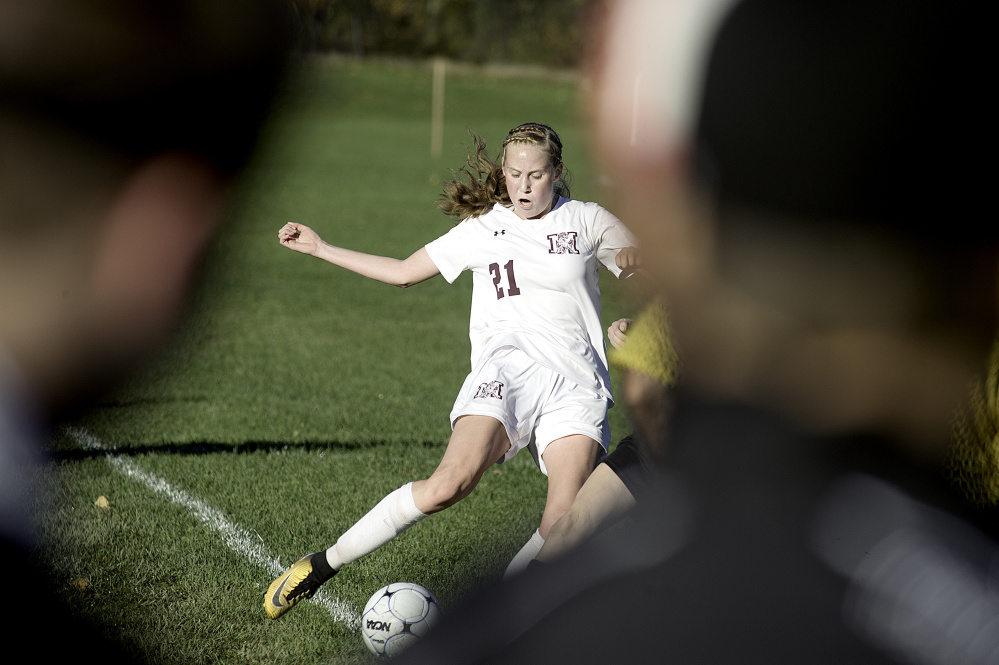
616, 245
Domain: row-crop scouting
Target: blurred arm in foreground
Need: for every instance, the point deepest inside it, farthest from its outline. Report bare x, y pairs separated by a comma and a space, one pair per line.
121, 126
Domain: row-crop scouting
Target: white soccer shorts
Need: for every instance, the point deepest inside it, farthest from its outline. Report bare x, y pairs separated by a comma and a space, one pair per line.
529, 398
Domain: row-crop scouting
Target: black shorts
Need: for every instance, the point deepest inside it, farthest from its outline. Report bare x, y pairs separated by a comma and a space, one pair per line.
629, 461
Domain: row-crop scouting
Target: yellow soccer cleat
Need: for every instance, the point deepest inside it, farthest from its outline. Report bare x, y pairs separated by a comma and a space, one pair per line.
301, 581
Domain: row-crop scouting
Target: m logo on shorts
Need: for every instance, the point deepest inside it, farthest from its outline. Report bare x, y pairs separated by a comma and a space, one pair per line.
492, 389
563, 242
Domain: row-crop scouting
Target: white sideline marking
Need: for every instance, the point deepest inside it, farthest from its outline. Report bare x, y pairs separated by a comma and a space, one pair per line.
234, 536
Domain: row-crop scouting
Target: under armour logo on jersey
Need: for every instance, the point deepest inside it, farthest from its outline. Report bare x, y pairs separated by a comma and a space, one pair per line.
499, 233
563, 242
493, 389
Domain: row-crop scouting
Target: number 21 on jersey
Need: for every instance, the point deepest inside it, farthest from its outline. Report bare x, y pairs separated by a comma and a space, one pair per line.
494, 270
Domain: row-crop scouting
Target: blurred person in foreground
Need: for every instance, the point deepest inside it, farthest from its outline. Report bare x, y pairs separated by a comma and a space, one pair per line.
801, 178
122, 124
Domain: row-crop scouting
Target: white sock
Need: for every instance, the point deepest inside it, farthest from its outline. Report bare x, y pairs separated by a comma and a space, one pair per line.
525, 555
390, 517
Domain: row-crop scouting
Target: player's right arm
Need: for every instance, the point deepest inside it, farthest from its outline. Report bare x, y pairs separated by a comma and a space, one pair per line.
396, 272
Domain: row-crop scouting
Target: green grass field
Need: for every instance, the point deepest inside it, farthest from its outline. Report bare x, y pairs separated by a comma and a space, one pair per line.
298, 394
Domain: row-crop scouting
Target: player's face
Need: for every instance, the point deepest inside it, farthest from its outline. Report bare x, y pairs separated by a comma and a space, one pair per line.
530, 180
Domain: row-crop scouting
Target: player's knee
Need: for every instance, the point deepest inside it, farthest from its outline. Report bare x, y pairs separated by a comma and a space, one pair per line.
447, 487
557, 514
564, 526
568, 530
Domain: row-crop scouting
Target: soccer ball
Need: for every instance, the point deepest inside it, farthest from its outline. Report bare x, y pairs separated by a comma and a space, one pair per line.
398, 615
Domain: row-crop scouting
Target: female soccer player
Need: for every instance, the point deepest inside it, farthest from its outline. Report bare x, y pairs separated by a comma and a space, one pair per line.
538, 360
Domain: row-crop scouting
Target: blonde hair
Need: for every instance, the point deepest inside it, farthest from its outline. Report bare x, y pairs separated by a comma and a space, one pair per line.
479, 184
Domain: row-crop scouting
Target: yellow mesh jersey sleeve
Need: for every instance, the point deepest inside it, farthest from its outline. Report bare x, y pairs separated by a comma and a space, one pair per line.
974, 454
649, 348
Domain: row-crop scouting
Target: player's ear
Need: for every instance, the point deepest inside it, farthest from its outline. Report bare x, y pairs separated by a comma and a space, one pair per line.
149, 249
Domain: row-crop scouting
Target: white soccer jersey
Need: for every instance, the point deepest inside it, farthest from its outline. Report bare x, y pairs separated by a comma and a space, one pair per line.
534, 283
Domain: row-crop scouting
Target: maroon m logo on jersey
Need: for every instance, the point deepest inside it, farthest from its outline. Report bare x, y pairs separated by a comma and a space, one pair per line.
563, 242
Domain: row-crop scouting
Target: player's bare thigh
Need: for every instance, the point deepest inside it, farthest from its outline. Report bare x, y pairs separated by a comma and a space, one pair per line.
570, 460
476, 443
602, 500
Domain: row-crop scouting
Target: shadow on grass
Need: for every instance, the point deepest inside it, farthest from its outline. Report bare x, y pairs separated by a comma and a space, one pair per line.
66, 449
